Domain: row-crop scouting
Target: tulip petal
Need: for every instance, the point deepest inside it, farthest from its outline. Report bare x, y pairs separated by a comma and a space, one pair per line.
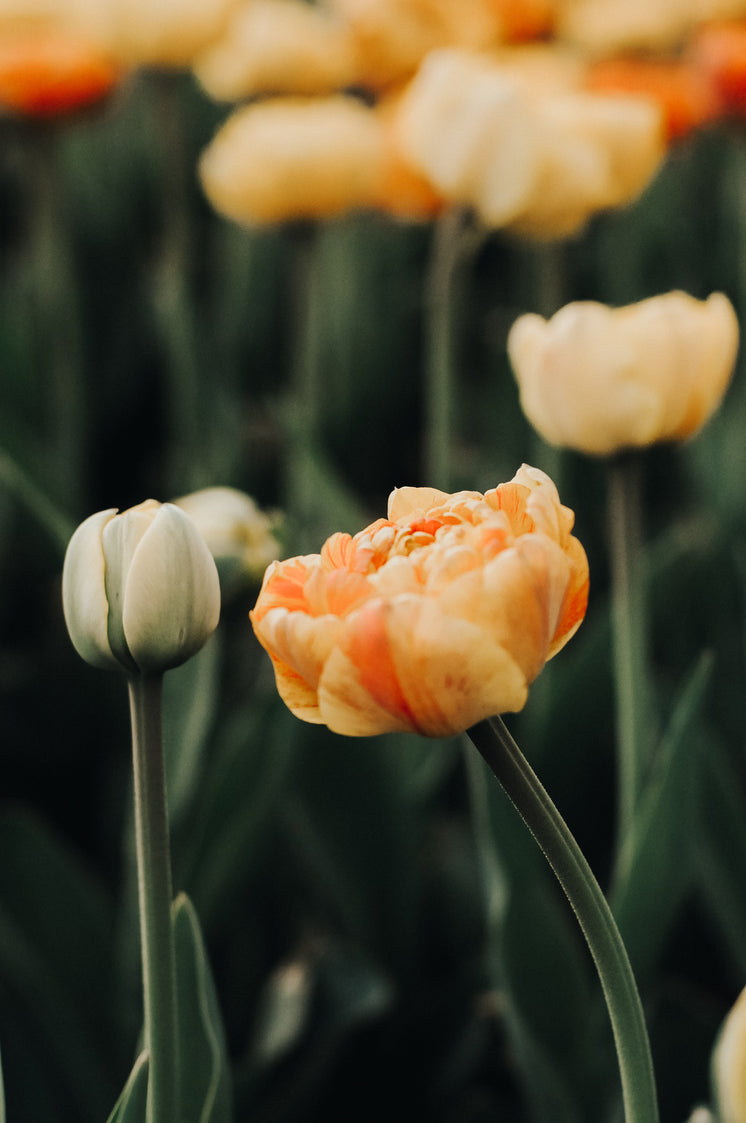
402, 664
84, 600
172, 594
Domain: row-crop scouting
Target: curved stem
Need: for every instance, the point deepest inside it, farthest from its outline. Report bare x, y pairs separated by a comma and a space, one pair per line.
628, 633
511, 768
155, 893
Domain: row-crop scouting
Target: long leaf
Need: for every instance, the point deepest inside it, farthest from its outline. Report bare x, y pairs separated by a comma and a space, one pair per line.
656, 864
204, 1072
130, 1107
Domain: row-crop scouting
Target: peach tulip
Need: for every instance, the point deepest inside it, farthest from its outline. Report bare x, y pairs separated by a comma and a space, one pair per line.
431, 619
599, 379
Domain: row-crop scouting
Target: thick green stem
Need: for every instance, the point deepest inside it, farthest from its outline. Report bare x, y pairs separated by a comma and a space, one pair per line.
628, 634
511, 768
155, 894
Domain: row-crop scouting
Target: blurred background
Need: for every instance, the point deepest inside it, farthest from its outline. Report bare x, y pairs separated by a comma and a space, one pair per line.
150, 346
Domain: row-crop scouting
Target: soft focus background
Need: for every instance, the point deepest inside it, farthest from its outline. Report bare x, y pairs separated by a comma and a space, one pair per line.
149, 347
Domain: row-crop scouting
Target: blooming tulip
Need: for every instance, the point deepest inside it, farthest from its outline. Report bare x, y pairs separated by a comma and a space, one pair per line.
140, 589
729, 1065
431, 619
599, 380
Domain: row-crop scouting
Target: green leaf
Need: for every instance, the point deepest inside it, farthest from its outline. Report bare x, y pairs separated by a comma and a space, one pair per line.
204, 1071
130, 1107
656, 864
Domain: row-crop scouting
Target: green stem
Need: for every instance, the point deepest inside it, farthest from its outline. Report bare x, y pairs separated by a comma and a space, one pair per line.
511, 768
155, 894
454, 241
628, 633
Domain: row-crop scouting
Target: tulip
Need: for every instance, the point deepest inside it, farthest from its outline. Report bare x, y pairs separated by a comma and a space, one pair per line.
292, 158
238, 535
140, 589
431, 619
278, 46
51, 73
685, 94
540, 163
600, 380
729, 1065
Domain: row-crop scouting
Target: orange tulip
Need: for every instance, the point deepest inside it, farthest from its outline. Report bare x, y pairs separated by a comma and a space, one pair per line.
431, 619
684, 93
718, 52
44, 75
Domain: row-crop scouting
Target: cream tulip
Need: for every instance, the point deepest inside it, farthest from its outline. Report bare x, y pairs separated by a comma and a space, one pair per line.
140, 589
599, 380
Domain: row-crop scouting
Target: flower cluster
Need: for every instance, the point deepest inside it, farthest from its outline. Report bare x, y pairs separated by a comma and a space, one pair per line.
431, 619
463, 105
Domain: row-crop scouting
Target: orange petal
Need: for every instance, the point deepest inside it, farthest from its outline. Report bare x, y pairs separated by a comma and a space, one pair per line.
49, 75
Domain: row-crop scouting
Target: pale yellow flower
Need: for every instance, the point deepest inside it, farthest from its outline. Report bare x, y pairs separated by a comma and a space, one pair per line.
278, 46
539, 162
598, 379
303, 158
238, 534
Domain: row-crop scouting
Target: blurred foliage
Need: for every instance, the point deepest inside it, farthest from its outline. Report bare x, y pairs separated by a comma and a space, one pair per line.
370, 958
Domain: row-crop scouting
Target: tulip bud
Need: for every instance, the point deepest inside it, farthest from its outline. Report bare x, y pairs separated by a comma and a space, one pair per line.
140, 589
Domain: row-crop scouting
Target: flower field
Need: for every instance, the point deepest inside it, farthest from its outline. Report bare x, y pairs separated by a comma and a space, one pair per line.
423, 322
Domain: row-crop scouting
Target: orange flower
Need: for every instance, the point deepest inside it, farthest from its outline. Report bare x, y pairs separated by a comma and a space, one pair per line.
52, 73
718, 51
685, 95
431, 619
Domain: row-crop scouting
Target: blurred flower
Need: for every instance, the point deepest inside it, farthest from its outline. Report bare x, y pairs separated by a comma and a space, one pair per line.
238, 535
392, 37
45, 74
429, 620
608, 27
542, 163
278, 46
299, 158
686, 96
729, 1065
140, 589
165, 33
718, 52
600, 379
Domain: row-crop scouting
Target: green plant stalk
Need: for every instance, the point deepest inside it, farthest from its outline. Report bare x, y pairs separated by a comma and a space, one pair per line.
155, 895
524, 788
454, 242
628, 634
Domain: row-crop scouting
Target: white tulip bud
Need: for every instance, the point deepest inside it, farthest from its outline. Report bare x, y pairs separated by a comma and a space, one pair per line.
140, 589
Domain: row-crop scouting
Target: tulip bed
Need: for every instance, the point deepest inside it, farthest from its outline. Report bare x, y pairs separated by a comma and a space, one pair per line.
384, 936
